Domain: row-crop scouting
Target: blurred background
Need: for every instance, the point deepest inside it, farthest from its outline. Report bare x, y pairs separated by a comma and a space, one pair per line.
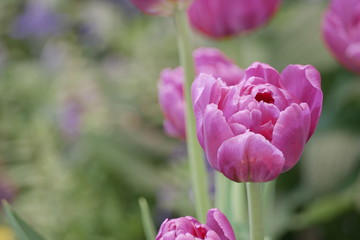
81, 135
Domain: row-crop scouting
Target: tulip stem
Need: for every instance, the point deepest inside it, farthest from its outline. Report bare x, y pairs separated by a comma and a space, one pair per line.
239, 208
222, 193
195, 153
269, 206
255, 206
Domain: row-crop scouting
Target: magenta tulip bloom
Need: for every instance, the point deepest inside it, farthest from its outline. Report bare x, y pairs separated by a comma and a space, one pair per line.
341, 31
217, 227
157, 7
257, 129
171, 95
223, 18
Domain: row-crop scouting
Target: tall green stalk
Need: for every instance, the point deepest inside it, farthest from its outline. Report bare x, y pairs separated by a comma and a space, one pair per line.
269, 206
195, 153
222, 192
239, 205
255, 206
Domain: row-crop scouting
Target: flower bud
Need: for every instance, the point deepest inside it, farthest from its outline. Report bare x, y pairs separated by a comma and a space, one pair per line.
171, 95
224, 18
341, 32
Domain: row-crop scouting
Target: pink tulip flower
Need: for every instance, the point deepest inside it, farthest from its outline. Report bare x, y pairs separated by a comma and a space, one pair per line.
157, 7
341, 32
224, 18
217, 227
257, 129
171, 95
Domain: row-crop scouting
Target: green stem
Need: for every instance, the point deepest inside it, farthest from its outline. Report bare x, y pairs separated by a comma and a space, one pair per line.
239, 204
255, 211
149, 227
222, 192
269, 206
195, 153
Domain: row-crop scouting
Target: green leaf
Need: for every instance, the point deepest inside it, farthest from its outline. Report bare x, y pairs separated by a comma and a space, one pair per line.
20, 227
148, 223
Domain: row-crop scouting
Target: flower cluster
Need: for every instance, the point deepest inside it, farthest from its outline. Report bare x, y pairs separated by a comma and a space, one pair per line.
252, 124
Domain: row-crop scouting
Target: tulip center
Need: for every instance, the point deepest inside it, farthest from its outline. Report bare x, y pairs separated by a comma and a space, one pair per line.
200, 232
264, 96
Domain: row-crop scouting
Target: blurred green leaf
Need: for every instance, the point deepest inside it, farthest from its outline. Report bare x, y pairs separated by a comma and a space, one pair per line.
148, 223
21, 228
324, 209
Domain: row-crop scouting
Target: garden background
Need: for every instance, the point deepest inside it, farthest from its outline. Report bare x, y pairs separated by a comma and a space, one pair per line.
81, 135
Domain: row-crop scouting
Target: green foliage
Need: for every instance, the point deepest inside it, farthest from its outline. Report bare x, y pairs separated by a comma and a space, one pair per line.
21, 228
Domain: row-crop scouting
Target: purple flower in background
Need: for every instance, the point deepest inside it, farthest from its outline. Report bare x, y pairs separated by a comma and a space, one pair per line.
171, 96
71, 118
341, 31
224, 18
36, 21
257, 129
217, 227
7, 190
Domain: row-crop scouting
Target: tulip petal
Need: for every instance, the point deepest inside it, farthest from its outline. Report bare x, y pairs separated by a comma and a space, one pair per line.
172, 101
336, 38
168, 236
163, 229
218, 222
204, 90
213, 61
215, 130
290, 133
303, 82
250, 158
353, 52
212, 235
263, 71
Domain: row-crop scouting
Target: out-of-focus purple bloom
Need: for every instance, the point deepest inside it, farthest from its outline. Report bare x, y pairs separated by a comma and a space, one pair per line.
158, 7
171, 95
36, 21
257, 129
341, 31
7, 190
70, 119
224, 18
217, 227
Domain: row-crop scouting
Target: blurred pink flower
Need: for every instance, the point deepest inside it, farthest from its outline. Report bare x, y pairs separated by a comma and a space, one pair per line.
257, 129
223, 18
217, 227
341, 31
171, 95
157, 7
